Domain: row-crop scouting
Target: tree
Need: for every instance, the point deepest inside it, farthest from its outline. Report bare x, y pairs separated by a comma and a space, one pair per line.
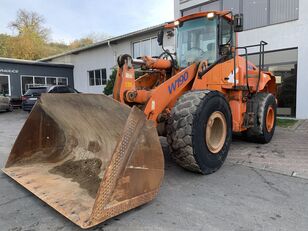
30, 22
81, 43
4, 45
31, 36
88, 40
30, 39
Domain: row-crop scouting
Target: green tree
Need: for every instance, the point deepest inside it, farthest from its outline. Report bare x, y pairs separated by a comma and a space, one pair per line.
53, 48
4, 44
81, 43
110, 83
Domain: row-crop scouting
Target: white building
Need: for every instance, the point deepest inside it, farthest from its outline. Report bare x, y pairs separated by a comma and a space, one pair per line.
284, 25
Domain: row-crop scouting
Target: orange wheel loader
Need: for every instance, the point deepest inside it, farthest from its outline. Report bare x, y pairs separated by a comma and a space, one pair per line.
92, 157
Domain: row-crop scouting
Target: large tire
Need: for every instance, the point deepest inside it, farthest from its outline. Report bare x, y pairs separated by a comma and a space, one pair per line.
188, 134
266, 108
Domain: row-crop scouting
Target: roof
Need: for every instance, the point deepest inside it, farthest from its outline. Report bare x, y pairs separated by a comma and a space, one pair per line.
32, 62
104, 42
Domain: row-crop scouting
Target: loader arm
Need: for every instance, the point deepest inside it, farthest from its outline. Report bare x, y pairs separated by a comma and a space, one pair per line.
164, 96
157, 99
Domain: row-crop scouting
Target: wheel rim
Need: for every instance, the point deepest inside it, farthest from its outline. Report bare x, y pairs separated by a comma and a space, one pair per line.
216, 132
270, 119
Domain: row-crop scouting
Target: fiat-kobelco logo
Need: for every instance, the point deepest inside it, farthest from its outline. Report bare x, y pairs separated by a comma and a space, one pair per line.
178, 82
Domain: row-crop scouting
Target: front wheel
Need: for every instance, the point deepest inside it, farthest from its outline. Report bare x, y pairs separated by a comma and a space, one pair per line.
199, 131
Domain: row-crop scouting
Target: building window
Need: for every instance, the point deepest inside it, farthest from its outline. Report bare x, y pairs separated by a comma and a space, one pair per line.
28, 81
257, 13
62, 81
283, 10
39, 80
146, 47
5, 85
91, 78
97, 77
286, 80
51, 81
283, 64
260, 13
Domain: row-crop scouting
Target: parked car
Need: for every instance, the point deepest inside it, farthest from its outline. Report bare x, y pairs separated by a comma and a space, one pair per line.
5, 103
33, 93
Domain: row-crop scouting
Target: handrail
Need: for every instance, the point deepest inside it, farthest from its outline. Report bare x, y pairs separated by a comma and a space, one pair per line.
262, 44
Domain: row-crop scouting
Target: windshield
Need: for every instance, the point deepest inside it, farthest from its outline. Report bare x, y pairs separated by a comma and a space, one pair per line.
197, 41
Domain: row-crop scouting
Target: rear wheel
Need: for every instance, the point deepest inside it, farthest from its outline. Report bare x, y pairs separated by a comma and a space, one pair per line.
199, 131
266, 119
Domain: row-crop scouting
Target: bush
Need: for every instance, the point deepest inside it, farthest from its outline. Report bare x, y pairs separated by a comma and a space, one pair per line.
110, 83
108, 90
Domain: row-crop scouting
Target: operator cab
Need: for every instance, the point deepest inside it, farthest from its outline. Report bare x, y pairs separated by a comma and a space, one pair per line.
205, 36
196, 41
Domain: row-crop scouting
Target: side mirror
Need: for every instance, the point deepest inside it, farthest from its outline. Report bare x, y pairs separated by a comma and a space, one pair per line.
160, 37
238, 23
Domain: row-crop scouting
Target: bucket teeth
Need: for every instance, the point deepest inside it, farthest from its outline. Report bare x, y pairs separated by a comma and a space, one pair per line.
87, 156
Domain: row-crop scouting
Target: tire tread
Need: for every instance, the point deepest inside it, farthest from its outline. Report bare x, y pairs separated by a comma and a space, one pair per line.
179, 129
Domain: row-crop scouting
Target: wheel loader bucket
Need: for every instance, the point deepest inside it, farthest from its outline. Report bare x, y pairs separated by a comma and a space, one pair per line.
87, 156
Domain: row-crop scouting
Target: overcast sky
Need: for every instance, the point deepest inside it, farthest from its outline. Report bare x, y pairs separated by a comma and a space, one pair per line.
73, 19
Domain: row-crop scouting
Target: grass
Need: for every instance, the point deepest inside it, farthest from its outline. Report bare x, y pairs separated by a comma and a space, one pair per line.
286, 123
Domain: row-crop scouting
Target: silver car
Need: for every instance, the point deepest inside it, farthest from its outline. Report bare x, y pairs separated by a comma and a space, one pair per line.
5, 103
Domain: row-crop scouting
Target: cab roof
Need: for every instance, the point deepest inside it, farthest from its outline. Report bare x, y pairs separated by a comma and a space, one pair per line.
225, 14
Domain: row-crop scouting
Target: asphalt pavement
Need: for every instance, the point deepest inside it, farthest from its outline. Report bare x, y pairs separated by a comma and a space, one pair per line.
237, 197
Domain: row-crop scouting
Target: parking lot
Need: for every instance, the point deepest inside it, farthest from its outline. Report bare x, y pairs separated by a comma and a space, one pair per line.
260, 187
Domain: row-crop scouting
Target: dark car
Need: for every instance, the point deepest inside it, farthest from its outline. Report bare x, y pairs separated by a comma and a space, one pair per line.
33, 93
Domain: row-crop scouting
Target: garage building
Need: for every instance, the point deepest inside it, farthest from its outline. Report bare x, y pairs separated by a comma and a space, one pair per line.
16, 75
